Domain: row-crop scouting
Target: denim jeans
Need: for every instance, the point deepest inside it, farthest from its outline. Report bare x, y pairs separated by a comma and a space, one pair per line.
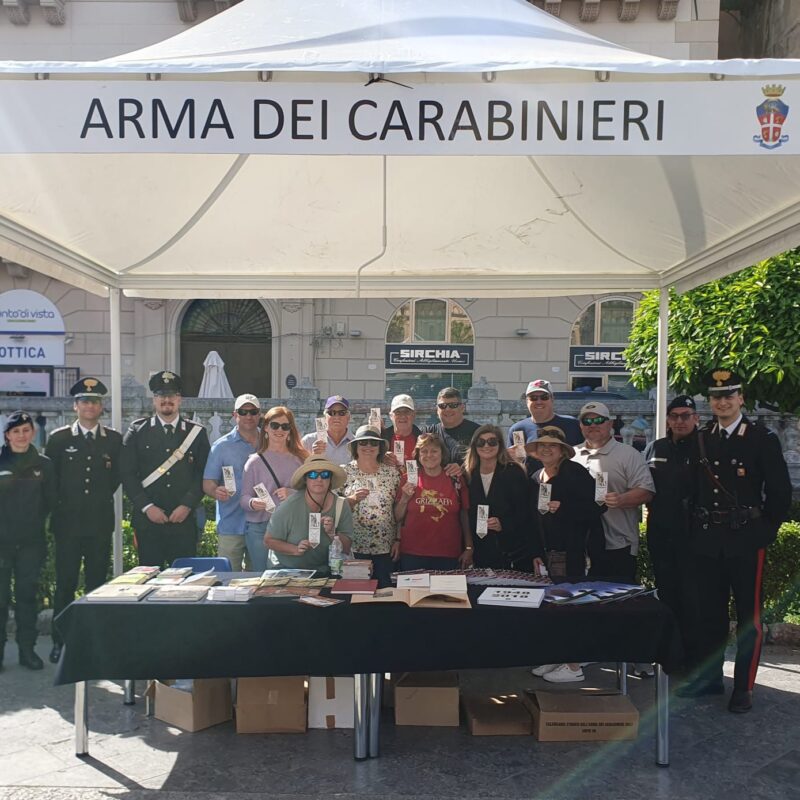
257, 552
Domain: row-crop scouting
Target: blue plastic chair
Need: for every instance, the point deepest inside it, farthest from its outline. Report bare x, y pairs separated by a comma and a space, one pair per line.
204, 563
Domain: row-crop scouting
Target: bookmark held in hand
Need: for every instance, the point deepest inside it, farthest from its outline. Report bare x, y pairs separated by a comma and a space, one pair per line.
600, 487
263, 494
482, 521
545, 492
314, 527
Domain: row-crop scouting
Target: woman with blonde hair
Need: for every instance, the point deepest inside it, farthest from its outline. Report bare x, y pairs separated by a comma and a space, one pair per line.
270, 469
496, 480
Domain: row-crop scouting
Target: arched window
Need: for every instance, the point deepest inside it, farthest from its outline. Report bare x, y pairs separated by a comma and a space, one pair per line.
599, 336
240, 331
445, 329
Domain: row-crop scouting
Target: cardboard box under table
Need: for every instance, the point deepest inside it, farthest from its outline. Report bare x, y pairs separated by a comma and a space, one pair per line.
581, 716
496, 715
271, 705
330, 702
192, 705
426, 698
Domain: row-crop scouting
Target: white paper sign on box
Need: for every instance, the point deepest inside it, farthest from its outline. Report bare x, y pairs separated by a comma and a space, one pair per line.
330, 702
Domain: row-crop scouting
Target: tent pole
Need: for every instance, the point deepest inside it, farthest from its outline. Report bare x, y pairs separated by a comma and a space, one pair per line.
662, 379
116, 412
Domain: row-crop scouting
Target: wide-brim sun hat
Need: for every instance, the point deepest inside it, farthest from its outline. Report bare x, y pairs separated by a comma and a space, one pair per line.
549, 435
366, 433
318, 463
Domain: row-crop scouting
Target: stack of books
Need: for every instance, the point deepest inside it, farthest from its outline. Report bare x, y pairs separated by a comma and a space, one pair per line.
136, 575
359, 569
172, 576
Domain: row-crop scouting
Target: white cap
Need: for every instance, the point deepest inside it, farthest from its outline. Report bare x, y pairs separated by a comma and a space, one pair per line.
244, 399
402, 401
599, 409
539, 385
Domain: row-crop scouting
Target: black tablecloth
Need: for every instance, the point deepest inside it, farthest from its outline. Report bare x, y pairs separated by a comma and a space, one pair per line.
279, 636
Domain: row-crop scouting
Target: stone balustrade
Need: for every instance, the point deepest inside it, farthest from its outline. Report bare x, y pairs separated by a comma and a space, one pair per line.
635, 419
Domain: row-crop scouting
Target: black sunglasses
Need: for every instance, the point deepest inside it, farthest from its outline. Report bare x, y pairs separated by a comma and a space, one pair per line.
491, 442
248, 412
283, 426
333, 413
325, 474
593, 420
368, 443
448, 405
680, 417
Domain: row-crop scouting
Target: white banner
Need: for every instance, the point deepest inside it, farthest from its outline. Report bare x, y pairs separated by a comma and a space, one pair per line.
615, 118
16, 351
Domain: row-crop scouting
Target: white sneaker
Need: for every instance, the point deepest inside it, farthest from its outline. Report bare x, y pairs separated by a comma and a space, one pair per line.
563, 674
543, 669
643, 670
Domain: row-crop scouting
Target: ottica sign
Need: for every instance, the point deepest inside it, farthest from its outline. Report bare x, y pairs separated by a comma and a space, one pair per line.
31, 330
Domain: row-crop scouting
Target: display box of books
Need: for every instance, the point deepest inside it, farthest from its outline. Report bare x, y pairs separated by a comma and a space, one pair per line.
192, 705
330, 702
272, 705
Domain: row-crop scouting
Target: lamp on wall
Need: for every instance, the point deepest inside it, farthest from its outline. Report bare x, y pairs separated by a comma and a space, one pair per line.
355, 333
522, 331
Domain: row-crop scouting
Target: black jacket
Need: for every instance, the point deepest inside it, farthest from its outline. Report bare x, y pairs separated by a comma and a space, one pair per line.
567, 530
670, 462
27, 495
751, 468
145, 448
509, 500
87, 475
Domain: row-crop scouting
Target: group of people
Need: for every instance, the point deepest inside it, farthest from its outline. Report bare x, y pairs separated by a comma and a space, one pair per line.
558, 494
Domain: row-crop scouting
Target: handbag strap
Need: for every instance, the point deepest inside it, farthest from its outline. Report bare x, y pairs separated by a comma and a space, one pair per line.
271, 471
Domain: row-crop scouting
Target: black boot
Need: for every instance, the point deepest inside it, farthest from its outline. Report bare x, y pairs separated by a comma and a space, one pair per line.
28, 657
55, 653
2, 653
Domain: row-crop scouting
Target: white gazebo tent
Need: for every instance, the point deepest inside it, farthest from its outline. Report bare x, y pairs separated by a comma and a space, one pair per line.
380, 148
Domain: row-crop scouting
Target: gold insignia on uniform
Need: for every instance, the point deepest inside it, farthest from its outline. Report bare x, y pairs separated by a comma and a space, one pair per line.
167, 377
720, 376
90, 383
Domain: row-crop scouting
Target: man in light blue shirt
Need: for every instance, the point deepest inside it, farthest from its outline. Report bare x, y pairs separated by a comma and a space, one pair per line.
336, 445
232, 450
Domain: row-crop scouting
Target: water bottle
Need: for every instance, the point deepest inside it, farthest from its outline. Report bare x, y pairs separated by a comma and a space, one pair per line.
335, 556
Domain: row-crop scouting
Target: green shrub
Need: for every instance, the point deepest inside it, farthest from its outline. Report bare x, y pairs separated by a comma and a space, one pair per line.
782, 574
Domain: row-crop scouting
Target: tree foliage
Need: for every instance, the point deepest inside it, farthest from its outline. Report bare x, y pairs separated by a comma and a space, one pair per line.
748, 322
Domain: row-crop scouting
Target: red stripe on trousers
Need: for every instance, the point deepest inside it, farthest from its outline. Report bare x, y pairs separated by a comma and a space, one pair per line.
751, 677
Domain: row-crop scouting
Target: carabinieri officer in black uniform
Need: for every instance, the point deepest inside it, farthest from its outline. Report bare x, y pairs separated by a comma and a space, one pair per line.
671, 460
163, 458
742, 495
86, 458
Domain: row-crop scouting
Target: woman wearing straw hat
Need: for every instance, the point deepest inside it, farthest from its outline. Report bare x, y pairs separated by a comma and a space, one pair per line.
498, 482
370, 489
566, 513
288, 532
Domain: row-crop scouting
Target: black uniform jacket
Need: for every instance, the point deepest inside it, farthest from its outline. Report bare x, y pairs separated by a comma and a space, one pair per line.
145, 448
751, 467
670, 462
27, 495
509, 501
87, 475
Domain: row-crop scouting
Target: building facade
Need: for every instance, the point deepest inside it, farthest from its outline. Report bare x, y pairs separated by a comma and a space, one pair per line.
360, 348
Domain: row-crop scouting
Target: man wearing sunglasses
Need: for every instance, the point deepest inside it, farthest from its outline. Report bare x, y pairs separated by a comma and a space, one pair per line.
742, 494
336, 446
232, 450
668, 529
629, 485
541, 407
453, 428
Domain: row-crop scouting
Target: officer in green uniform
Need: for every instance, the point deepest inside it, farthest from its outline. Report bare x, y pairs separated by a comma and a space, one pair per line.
86, 458
163, 457
742, 494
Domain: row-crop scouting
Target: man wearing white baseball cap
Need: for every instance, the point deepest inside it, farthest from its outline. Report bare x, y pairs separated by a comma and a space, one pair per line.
232, 450
402, 412
623, 483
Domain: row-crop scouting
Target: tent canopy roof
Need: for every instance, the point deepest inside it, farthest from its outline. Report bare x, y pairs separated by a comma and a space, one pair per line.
194, 222
393, 36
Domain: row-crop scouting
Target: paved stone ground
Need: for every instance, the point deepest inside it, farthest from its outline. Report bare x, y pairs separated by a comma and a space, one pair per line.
715, 755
